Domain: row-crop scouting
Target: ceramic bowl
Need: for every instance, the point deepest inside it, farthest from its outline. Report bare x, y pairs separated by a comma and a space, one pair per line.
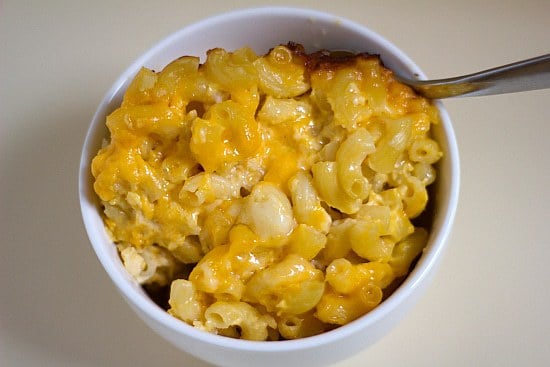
261, 29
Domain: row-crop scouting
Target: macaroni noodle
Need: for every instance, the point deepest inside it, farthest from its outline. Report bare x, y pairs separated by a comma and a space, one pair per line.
272, 197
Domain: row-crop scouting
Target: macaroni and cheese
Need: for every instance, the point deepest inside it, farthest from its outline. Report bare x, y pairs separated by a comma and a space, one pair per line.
274, 196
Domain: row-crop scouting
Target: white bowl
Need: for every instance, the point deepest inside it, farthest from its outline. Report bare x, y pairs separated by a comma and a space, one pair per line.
261, 29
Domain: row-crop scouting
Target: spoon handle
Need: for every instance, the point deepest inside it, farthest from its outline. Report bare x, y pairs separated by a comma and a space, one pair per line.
520, 76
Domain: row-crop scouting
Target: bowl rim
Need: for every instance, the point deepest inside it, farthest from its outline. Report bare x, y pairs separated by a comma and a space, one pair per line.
127, 286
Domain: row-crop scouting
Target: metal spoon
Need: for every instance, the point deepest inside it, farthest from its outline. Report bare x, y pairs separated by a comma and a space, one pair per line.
520, 76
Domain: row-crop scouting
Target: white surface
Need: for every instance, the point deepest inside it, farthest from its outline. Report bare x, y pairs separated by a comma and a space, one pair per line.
488, 304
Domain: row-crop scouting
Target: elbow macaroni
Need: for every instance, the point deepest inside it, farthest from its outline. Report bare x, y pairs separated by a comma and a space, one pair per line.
274, 195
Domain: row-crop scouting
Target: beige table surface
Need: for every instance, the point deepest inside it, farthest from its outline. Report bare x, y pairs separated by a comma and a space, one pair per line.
489, 304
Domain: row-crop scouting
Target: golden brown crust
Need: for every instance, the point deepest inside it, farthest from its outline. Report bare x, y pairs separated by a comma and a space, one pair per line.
328, 60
